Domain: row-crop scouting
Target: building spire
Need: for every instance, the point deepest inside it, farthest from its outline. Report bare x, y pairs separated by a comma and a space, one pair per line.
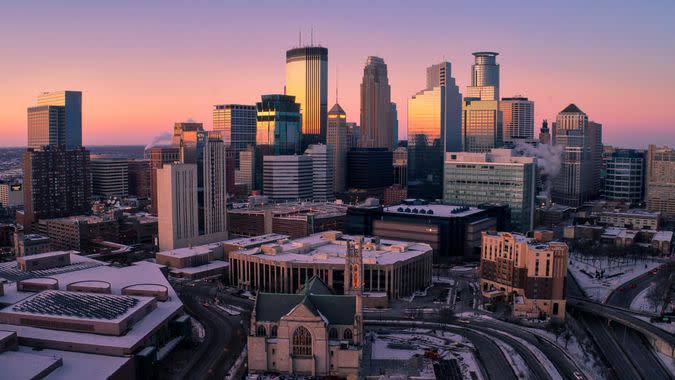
336, 86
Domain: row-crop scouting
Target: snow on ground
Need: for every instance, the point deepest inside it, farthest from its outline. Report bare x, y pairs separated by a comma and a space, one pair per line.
517, 363
616, 273
670, 327
640, 302
442, 280
550, 368
382, 351
667, 361
198, 330
576, 349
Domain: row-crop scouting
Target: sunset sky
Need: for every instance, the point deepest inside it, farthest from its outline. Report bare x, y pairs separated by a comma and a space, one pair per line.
144, 65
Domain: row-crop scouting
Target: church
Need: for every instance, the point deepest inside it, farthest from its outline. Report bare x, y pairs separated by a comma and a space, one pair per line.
313, 332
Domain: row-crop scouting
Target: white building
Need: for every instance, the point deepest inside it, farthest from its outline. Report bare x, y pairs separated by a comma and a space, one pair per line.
177, 205
517, 118
287, 177
322, 172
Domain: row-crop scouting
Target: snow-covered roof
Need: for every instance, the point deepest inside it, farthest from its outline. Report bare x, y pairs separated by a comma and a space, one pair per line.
187, 252
437, 210
246, 242
212, 265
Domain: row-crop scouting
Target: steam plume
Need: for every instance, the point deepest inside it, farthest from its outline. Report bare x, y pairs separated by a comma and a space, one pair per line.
162, 137
549, 158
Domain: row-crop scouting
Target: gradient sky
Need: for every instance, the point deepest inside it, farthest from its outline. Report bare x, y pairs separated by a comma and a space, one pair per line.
144, 65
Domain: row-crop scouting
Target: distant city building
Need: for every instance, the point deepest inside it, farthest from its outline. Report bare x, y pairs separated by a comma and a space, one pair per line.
193, 263
354, 133
530, 274
634, 219
624, 175
544, 133
481, 125
211, 186
46, 126
660, 180
394, 124
434, 123
497, 176
369, 168
30, 244
287, 177
307, 80
158, 157
64, 108
79, 232
140, 177
394, 194
185, 131
237, 126
337, 138
484, 76
11, 194
109, 176
579, 179
322, 172
245, 175
400, 161
56, 183
376, 125
517, 118
177, 205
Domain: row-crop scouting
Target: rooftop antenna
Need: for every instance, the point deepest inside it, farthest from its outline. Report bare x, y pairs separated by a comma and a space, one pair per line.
336, 85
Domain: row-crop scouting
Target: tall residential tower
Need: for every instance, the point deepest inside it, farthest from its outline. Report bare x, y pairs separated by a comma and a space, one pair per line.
376, 126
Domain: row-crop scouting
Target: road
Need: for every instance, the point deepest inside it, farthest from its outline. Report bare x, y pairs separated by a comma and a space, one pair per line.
631, 289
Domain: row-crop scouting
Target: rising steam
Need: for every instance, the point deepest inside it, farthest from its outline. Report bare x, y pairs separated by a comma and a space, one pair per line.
549, 158
162, 137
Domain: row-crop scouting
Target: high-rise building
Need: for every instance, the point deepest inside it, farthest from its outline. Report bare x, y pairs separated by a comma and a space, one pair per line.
71, 101
185, 139
434, 122
544, 133
140, 177
481, 125
177, 205
400, 161
11, 194
517, 118
287, 177
660, 180
180, 128
531, 271
211, 185
237, 126
57, 183
109, 176
46, 126
322, 172
579, 179
624, 174
497, 176
159, 156
337, 138
394, 125
245, 175
484, 77
369, 168
376, 125
353, 133
307, 80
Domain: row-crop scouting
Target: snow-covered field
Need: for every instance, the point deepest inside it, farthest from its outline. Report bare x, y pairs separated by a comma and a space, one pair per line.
615, 274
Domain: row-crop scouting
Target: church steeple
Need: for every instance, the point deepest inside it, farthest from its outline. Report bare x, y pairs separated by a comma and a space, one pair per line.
354, 282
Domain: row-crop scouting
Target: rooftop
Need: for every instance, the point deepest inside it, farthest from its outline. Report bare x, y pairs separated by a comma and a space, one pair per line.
437, 210
11, 272
253, 241
187, 252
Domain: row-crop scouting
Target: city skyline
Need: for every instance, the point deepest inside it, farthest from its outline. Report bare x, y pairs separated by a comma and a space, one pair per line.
137, 81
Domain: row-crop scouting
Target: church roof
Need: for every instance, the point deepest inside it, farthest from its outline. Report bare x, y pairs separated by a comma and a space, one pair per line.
336, 109
572, 108
315, 285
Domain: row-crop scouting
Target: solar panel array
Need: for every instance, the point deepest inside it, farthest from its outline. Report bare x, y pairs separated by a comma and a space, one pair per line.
78, 305
11, 272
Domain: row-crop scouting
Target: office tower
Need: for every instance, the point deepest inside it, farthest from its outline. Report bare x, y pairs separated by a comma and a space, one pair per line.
517, 118
245, 175
11, 194
376, 125
353, 134
484, 77
211, 185
400, 162
481, 125
158, 157
109, 176
307, 80
46, 126
177, 205
624, 175
394, 125
185, 139
532, 270
544, 133
71, 101
369, 168
581, 140
660, 180
140, 178
322, 172
236, 124
493, 177
56, 183
338, 139
231, 156
180, 128
433, 117
287, 177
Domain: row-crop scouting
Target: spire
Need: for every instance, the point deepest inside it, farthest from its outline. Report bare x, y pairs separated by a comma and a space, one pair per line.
336, 86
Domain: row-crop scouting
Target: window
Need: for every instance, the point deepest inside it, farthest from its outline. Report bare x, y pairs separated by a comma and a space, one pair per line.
302, 342
261, 331
274, 331
332, 333
347, 335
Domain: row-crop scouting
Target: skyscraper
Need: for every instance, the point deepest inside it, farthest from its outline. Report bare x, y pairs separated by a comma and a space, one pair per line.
322, 172
211, 185
517, 118
544, 133
624, 175
237, 126
660, 180
393, 115
287, 177
307, 80
484, 76
177, 205
56, 182
109, 176
433, 118
185, 138
245, 175
337, 139
46, 126
581, 140
158, 157
376, 125
71, 101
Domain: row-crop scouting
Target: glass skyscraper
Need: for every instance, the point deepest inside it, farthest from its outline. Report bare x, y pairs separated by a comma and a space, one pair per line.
481, 116
376, 111
624, 175
237, 126
517, 118
307, 80
71, 101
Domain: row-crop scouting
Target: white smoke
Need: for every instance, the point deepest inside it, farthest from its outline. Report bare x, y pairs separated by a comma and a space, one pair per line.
549, 158
162, 137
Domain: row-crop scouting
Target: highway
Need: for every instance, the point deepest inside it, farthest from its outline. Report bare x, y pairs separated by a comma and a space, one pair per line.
625, 298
